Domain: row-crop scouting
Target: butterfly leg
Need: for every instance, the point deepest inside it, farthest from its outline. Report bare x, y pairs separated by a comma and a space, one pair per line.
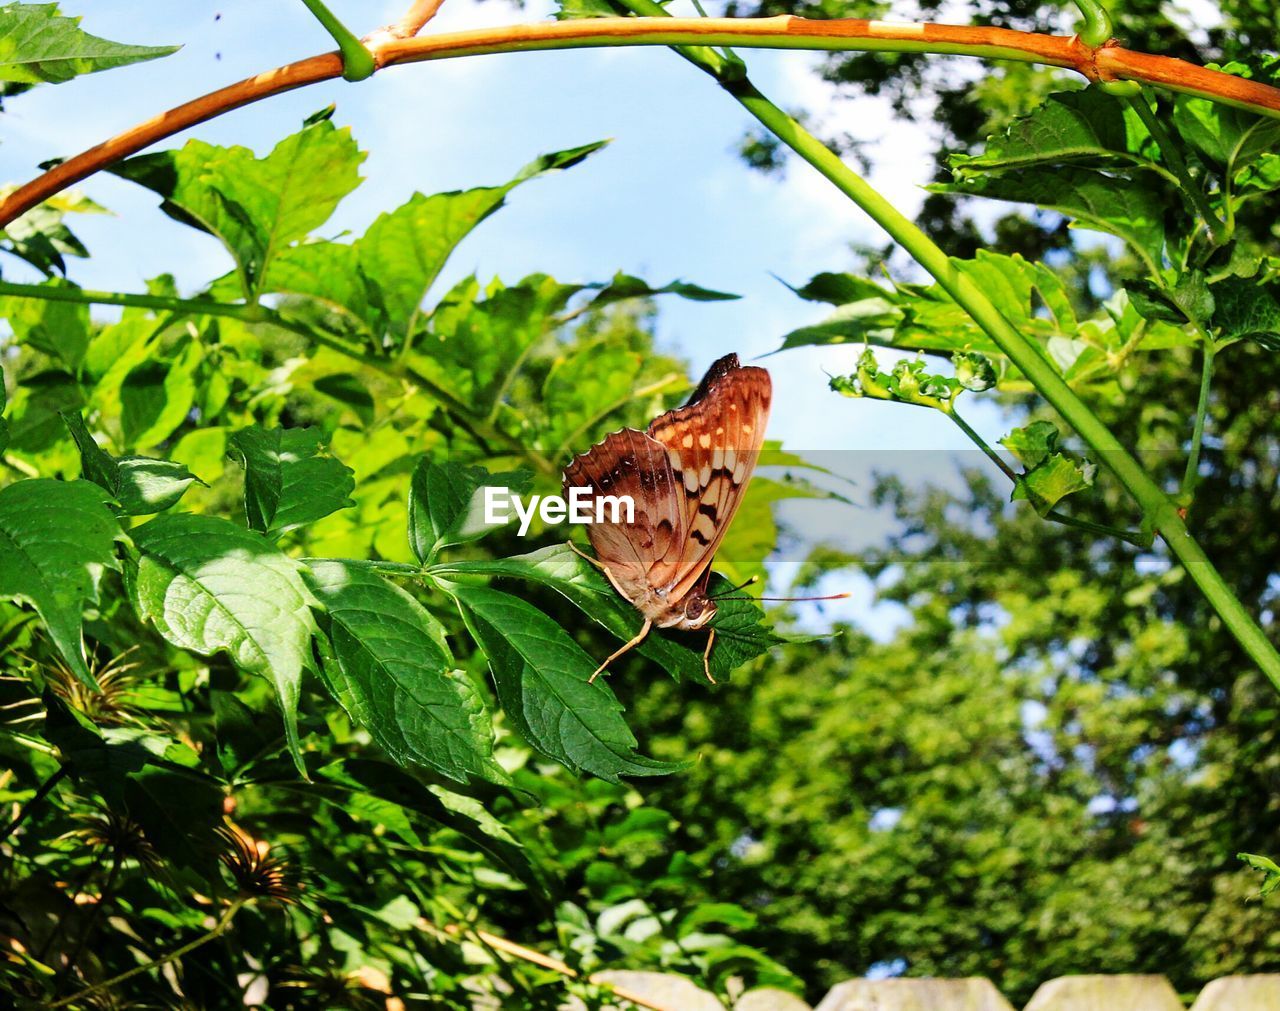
706, 655
635, 641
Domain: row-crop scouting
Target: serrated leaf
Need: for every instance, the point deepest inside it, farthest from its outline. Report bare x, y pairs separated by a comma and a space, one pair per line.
1245, 309
1130, 209
41, 236
208, 586
288, 480
56, 538
1052, 480
1032, 444
256, 206
1269, 869
740, 632
139, 485
388, 669
1087, 127
404, 250
541, 678
1231, 138
38, 45
447, 504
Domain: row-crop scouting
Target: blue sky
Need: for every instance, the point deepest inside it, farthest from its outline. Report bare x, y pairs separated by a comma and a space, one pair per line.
668, 198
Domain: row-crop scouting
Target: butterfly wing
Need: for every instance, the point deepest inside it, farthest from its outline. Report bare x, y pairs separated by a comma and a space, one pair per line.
712, 444
638, 555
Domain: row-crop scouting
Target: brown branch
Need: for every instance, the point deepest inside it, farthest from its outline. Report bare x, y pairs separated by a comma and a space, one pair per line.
555, 965
418, 15
1109, 62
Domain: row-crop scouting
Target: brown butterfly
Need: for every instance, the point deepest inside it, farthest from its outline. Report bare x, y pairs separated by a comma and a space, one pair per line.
686, 475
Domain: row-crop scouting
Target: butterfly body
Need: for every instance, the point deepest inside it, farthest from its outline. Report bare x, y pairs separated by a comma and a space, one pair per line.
685, 474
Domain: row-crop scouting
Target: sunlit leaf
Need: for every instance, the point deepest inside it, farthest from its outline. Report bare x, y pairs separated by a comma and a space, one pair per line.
208, 586
56, 538
388, 668
37, 45
288, 480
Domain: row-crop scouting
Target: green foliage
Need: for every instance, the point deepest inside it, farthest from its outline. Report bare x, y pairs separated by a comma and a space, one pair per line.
310, 503
38, 45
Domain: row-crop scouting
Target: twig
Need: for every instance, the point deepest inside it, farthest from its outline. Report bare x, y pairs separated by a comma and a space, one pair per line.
177, 953
418, 15
1107, 63
555, 965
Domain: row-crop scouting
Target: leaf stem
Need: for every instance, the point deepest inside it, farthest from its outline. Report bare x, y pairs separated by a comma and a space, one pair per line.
1219, 233
357, 62
177, 953
1158, 509
1192, 474
1095, 28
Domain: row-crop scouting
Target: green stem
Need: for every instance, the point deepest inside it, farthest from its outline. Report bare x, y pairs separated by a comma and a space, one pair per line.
177, 953
1192, 473
1217, 228
1095, 28
981, 443
357, 62
1028, 357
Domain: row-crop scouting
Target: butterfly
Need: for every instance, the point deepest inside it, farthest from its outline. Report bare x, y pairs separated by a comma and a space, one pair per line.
686, 475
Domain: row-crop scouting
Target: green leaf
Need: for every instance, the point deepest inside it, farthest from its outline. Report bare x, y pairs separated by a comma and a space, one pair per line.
41, 236
570, 10
541, 677
1245, 309
624, 286
59, 329
1033, 444
1268, 867
256, 206
241, 734
56, 538
1052, 480
388, 669
209, 585
740, 633
288, 481
1087, 127
157, 395
39, 45
838, 289
1190, 298
1231, 138
1129, 209
404, 250
139, 485
447, 504
388, 793
4, 423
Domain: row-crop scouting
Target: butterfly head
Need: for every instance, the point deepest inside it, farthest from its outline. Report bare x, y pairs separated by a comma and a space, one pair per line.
698, 610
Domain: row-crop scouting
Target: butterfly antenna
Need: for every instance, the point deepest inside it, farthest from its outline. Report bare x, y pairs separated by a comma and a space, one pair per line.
734, 589
833, 596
